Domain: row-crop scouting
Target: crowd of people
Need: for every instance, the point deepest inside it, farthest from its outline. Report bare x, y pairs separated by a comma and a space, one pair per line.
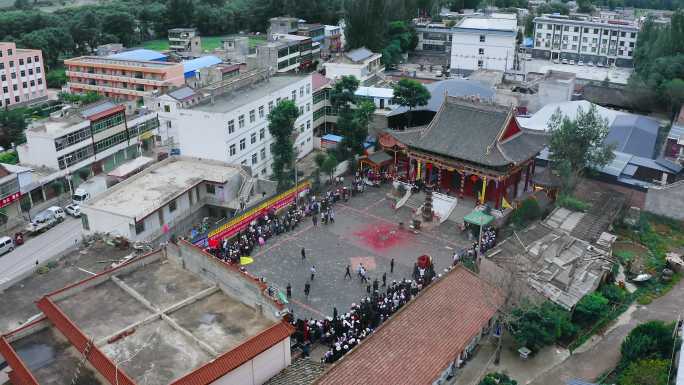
341, 332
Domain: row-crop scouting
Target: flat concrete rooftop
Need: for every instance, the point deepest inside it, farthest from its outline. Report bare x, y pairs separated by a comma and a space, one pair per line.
236, 99
488, 23
171, 320
157, 185
52, 360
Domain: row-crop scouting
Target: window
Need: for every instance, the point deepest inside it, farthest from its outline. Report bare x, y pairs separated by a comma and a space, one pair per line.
9, 52
243, 144
254, 158
566, 28
605, 32
167, 108
480, 51
5, 90
106, 123
301, 128
252, 139
139, 227
2, 66
622, 44
584, 39
632, 35
575, 38
480, 64
211, 189
35, 59
241, 121
623, 34
37, 70
261, 111
596, 31
263, 172
308, 89
294, 95
482, 38
13, 75
32, 83
262, 134
28, 59
263, 153
3, 78
252, 116
11, 64
270, 107
586, 30
576, 29
301, 91
308, 107
21, 62
172, 206
631, 45
308, 124
301, 110
231, 126
232, 150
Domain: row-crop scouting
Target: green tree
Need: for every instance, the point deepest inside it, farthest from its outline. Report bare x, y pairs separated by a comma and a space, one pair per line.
538, 326
319, 159
52, 41
579, 144
56, 78
179, 13
281, 126
646, 372
366, 24
497, 379
528, 211
410, 93
329, 166
342, 93
12, 126
650, 340
590, 308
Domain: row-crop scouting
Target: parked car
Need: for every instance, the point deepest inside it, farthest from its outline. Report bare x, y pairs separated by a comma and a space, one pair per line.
599, 64
43, 221
572, 62
580, 63
556, 61
73, 209
80, 196
6, 245
590, 64
57, 212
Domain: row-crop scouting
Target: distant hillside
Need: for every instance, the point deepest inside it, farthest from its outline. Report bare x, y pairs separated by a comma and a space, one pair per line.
53, 5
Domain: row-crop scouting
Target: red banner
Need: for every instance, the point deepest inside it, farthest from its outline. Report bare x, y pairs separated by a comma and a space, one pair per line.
9, 199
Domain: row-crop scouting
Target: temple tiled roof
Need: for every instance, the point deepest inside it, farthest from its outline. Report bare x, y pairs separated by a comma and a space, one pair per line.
471, 130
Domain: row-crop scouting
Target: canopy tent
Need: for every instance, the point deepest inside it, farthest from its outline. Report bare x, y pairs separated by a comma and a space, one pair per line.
478, 218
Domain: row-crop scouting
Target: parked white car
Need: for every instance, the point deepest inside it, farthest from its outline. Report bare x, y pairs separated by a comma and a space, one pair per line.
80, 196
6, 245
73, 209
57, 212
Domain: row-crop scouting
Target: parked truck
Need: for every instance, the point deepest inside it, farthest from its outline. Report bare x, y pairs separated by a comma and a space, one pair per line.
45, 220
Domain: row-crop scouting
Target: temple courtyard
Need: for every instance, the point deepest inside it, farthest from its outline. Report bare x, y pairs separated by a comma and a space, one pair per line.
366, 230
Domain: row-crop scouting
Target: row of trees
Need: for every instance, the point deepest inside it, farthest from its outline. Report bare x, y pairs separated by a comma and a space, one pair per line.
647, 354
659, 61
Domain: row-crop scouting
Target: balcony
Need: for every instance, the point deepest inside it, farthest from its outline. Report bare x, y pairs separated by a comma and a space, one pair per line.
115, 90
116, 78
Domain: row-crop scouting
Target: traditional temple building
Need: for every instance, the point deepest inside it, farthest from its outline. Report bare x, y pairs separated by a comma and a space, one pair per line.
468, 148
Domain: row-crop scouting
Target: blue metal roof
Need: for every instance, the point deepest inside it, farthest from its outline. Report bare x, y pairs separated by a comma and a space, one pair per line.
676, 132
528, 42
332, 138
634, 134
359, 54
139, 54
452, 87
191, 66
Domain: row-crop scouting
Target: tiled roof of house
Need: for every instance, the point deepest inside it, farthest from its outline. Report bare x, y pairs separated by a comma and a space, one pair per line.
421, 340
470, 130
302, 371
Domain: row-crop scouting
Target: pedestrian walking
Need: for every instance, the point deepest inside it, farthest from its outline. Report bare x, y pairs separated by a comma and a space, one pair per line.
368, 287
392, 266
288, 290
303, 254
313, 272
314, 219
375, 284
384, 279
348, 272
332, 216
307, 290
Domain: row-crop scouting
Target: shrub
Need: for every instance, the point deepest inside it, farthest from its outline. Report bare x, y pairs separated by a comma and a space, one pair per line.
571, 203
613, 293
590, 308
528, 211
538, 326
650, 340
497, 379
9, 157
646, 372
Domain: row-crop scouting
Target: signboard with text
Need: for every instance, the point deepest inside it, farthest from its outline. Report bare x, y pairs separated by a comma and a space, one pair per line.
9, 199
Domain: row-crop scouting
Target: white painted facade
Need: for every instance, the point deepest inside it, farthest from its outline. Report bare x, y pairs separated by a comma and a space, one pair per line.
362, 70
610, 42
220, 136
483, 43
261, 368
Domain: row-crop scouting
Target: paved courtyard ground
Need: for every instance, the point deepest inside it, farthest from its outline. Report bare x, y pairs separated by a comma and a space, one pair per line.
365, 231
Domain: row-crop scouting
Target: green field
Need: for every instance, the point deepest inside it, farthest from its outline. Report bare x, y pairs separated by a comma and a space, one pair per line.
209, 43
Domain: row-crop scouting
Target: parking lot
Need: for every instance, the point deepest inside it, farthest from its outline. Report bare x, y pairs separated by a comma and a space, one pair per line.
616, 75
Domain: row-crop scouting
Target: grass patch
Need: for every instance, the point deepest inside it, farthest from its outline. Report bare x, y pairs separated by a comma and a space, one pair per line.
571, 203
209, 43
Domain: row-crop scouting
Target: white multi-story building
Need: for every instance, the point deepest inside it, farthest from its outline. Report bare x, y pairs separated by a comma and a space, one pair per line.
433, 37
483, 42
608, 42
233, 127
360, 63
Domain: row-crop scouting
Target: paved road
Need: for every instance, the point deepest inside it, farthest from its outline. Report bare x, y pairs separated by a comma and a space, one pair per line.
40, 248
603, 355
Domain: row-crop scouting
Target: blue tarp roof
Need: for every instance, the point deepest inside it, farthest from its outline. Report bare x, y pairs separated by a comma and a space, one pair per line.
139, 54
528, 42
332, 138
190, 66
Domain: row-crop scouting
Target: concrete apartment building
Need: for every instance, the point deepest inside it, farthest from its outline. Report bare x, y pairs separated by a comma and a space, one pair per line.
164, 198
315, 31
360, 63
122, 79
484, 42
282, 25
433, 37
185, 42
173, 316
333, 39
95, 137
287, 52
608, 42
232, 125
22, 76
